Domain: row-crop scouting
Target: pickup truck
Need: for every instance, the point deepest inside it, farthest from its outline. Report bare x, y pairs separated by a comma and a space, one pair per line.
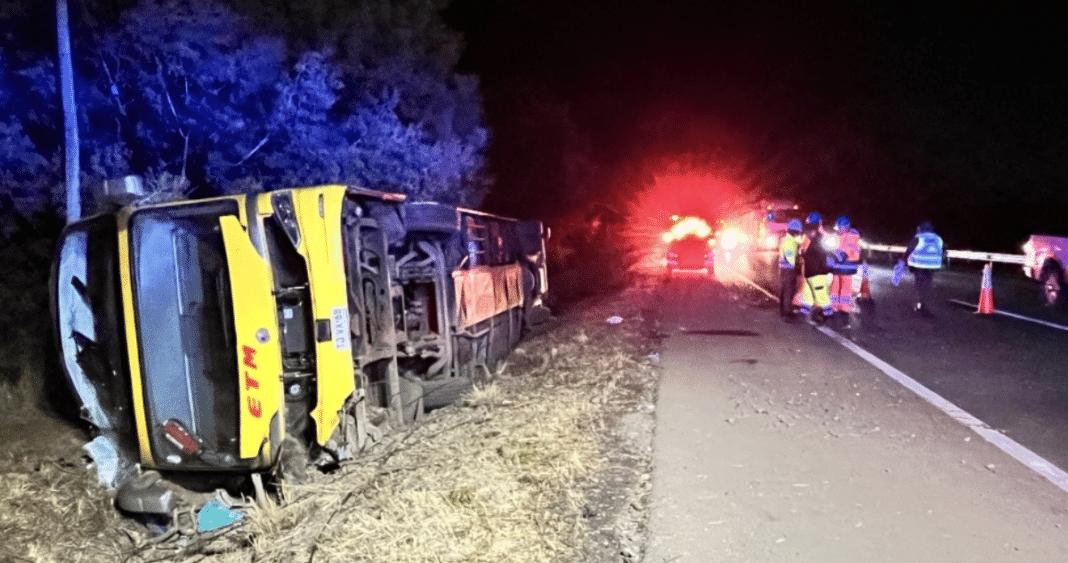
1045, 261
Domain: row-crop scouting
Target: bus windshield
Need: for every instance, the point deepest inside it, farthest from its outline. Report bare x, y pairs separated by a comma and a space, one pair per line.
184, 313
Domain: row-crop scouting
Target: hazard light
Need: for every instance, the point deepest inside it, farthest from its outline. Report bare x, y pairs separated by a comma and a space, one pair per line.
690, 226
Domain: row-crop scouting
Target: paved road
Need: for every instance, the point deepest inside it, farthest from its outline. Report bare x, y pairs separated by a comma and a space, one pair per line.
774, 443
1009, 373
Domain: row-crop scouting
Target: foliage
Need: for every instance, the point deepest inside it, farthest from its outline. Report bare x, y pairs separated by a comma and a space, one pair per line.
235, 95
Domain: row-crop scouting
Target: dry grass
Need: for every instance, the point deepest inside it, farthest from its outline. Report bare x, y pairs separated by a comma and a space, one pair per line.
17, 397
57, 513
491, 480
501, 476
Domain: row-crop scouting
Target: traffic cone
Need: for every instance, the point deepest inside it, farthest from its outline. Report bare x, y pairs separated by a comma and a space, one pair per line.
865, 287
986, 294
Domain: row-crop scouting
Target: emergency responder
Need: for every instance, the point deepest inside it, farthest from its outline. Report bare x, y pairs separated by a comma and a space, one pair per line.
788, 250
815, 267
924, 256
815, 218
845, 265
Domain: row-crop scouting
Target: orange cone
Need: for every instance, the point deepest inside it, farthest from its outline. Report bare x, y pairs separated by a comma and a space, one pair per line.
986, 294
865, 287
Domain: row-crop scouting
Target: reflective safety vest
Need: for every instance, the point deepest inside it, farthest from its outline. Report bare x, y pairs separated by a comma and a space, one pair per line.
788, 251
849, 242
847, 256
928, 252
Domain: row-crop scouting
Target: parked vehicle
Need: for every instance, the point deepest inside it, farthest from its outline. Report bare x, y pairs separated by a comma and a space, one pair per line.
691, 248
207, 338
1045, 259
764, 223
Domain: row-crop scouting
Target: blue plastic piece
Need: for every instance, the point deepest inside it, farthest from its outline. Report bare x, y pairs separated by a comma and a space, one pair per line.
215, 515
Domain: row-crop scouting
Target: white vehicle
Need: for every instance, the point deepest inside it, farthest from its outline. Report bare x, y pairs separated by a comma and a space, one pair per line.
1045, 261
763, 225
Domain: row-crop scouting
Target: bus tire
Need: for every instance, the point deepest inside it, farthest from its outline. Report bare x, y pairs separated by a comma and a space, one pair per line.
431, 217
443, 392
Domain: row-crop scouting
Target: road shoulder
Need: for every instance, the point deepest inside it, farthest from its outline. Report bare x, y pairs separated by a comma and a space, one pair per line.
785, 447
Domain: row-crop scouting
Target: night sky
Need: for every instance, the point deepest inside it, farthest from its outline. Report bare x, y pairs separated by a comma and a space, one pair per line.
960, 107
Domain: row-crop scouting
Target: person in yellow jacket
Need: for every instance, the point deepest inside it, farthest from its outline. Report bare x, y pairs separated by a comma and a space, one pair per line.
789, 248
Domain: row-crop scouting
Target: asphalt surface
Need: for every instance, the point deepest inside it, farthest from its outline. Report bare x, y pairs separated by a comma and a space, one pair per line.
775, 443
1009, 373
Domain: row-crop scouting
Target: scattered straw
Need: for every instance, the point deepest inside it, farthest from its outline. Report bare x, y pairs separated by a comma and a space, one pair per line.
502, 476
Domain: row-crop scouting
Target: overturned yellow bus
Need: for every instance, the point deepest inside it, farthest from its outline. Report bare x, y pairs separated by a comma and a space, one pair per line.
205, 338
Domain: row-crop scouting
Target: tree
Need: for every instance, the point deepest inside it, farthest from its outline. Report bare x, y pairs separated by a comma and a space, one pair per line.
29, 168
194, 89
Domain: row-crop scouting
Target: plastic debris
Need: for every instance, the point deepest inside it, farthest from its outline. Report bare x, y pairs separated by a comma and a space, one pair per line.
106, 456
215, 515
614, 320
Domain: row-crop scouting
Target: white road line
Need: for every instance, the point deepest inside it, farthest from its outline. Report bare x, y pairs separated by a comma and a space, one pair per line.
1013, 315
1037, 463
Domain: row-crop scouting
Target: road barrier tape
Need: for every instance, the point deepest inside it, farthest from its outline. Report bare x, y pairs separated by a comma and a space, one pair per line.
958, 254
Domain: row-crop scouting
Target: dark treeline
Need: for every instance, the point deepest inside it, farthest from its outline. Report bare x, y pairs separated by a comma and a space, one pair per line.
223, 96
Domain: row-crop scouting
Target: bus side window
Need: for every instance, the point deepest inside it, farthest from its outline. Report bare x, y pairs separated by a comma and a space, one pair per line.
476, 242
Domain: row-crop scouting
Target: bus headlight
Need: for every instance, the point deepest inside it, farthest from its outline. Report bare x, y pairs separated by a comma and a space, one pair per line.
282, 203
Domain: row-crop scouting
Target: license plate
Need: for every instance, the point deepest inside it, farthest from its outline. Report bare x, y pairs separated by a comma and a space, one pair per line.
339, 328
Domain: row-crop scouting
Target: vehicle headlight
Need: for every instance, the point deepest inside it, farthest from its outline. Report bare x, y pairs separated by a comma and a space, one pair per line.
730, 239
830, 242
286, 214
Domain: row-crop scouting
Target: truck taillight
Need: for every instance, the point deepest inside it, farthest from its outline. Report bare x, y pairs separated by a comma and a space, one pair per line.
180, 437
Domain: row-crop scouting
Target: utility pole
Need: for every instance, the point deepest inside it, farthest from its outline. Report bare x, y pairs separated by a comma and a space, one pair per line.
72, 172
